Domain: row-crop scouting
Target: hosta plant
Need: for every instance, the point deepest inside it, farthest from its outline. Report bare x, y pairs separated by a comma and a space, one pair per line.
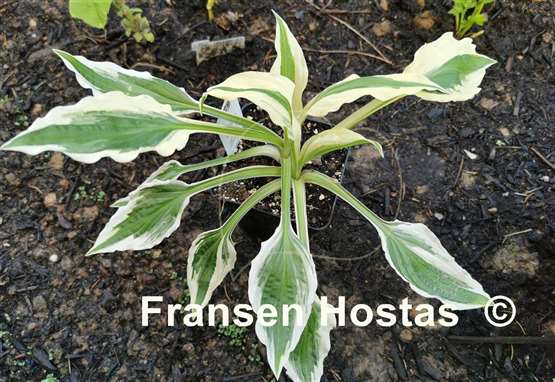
132, 112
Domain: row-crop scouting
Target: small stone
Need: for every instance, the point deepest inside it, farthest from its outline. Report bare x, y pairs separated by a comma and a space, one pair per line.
420, 218
406, 335
488, 103
471, 155
188, 347
422, 189
12, 179
86, 214
382, 29
424, 20
468, 179
492, 210
66, 263
547, 37
545, 178
439, 216
64, 183
53, 258
322, 197
384, 5
32, 23
505, 132
37, 110
50, 199
39, 304
313, 26
56, 161
515, 259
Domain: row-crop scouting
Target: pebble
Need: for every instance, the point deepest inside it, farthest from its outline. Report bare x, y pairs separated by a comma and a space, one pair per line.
50, 199
56, 161
545, 178
406, 335
471, 155
12, 179
424, 20
488, 103
53, 258
439, 216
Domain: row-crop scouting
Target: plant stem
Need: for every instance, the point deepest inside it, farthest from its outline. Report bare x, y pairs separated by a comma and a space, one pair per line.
286, 178
299, 193
364, 112
244, 173
250, 202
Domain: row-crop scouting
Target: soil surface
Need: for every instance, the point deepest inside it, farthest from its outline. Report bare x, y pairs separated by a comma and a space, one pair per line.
478, 173
319, 203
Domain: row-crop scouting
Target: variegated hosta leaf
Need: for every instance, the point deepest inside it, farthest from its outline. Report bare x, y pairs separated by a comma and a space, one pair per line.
452, 64
353, 87
282, 273
332, 140
290, 61
211, 257
444, 70
153, 211
109, 125
271, 92
416, 254
418, 257
150, 215
171, 170
117, 126
306, 362
230, 143
103, 77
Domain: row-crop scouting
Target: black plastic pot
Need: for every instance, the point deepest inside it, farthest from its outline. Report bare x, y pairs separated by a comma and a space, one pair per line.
261, 224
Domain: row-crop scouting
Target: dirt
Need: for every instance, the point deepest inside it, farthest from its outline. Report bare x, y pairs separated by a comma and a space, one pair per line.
78, 318
319, 203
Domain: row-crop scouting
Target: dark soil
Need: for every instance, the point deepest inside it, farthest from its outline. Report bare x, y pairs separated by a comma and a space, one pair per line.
78, 318
320, 203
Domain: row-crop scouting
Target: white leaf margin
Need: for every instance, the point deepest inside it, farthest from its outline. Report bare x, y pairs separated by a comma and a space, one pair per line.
221, 269
254, 293
105, 102
145, 241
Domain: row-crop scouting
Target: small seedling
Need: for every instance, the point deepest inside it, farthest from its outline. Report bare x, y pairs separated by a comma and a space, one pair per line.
468, 13
234, 333
133, 112
95, 14
81, 193
50, 378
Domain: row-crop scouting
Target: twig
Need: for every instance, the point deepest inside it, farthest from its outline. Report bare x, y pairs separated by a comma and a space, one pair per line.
381, 57
401, 185
544, 159
459, 173
340, 51
522, 340
345, 11
347, 258
516, 233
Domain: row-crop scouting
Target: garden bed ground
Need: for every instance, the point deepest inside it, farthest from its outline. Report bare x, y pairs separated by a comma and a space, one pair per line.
79, 318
